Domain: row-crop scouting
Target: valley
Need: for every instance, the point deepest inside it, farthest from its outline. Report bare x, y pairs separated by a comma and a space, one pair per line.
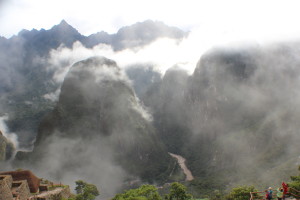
73, 112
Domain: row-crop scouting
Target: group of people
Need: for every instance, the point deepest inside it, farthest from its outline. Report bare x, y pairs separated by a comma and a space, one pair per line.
281, 192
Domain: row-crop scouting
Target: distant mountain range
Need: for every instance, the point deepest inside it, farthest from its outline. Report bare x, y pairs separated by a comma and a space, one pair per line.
25, 79
235, 119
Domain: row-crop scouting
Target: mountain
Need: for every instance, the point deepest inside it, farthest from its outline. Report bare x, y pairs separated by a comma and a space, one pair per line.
235, 119
6, 148
98, 123
135, 36
41, 42
26, 76
143, 33
235, 116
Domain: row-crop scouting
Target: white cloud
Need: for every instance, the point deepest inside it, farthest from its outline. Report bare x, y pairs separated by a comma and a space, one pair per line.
10, 136
236, 18
164, 53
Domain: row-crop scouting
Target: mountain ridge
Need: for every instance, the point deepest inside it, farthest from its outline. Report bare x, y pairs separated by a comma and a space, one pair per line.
138, 34
25, 76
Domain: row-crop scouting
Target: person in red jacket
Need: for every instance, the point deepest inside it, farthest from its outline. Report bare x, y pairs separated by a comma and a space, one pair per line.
285, 189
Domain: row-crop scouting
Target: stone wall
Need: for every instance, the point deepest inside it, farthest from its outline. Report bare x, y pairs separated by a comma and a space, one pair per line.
53, 195
66, 193
22, 190
32, 180
5, 185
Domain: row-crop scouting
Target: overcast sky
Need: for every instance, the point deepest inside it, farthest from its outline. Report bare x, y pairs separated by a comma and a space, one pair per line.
239, 19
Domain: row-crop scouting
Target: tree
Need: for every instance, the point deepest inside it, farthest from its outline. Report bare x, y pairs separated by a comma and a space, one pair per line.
295, 183
85, 191
216, 195
240, 193
178, 192
145, 192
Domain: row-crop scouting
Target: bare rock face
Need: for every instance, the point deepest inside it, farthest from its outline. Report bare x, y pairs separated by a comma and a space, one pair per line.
6, 148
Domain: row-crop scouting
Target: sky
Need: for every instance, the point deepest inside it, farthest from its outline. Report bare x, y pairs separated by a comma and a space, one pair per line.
234, 20
211, 23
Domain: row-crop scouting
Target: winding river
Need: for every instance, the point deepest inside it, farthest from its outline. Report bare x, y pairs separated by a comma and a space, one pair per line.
181, 162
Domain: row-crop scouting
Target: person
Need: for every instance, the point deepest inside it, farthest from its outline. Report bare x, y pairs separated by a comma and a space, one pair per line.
285, 187
269, 193
279, 193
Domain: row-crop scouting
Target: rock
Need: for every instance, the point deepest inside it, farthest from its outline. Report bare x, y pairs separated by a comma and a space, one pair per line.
6, 148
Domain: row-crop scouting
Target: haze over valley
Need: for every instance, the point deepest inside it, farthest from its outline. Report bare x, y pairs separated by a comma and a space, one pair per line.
126, 108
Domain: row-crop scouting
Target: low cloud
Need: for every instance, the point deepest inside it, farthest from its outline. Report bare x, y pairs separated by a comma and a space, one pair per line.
9, 135
68, 160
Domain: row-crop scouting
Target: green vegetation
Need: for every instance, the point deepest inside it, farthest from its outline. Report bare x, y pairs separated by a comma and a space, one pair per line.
85, 191
240, 193
145, 192
178, 192
149, 192
205, 187
295, 183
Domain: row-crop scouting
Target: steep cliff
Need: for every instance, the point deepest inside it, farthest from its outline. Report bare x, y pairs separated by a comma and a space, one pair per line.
97, 106
6, 148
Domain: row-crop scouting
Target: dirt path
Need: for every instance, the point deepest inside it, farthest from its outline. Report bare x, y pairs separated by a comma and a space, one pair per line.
181, 162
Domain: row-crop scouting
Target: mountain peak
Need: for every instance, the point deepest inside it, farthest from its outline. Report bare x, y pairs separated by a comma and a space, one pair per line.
66, 31
63, 23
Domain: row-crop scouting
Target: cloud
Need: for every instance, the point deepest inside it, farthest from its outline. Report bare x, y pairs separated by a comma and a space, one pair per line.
9, 135
247, 19
107, 133
53, 96
164, 53
68, 160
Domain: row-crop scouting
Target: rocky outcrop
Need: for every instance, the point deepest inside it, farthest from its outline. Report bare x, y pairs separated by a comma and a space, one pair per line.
6, 148
5, 185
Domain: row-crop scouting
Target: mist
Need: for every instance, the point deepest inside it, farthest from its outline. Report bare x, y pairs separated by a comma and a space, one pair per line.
238, 112
99, 132
12, 137
69, 160
229, 107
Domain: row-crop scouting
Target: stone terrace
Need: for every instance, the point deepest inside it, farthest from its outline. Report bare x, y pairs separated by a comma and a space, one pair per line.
24, 185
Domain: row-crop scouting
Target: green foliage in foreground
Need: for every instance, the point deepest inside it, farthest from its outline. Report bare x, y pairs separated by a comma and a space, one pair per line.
240, 193
295, 183
178, 192
85, 191
145, 192
149, 192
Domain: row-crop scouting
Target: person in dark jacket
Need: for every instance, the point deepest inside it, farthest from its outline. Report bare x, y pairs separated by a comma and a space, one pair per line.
269, 193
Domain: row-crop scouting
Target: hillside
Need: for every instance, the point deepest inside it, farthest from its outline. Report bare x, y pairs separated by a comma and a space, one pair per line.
98, 123
26, 77
234, 117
